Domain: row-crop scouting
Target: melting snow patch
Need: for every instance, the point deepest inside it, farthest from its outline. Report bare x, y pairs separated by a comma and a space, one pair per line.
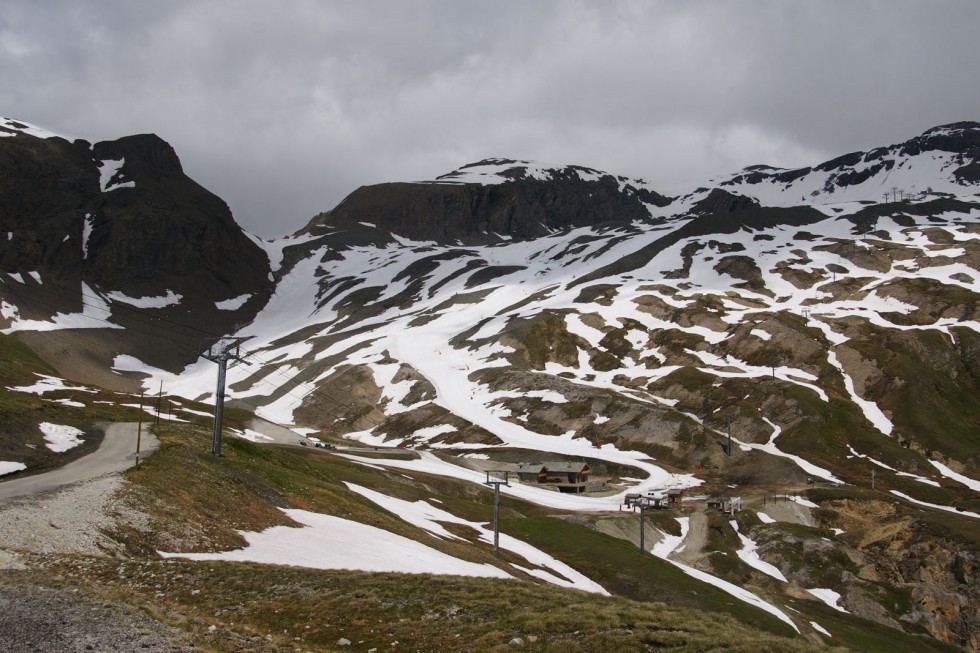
93, 316
49, 384
871, 410
329, 542
738, 592
429, 518
805, 465
10, 468
820, 629
233, 304
59, 437
432, 431
253, 436
828, 596
163, 301
669, 544
762, 335
803, 502
108, 170
749, 556
936, 506
956, 476
765, 519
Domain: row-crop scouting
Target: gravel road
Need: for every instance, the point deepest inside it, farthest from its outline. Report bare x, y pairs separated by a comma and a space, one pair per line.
47, 620
67, 511
116, 453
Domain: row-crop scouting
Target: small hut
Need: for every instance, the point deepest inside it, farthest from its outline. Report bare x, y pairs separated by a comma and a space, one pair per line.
564, 476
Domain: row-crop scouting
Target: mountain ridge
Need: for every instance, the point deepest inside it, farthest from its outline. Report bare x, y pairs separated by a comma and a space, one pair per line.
827, 338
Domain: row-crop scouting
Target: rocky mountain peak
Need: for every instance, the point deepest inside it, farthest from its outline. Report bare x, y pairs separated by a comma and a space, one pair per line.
144, 154
118, 222
943, 159
491, 201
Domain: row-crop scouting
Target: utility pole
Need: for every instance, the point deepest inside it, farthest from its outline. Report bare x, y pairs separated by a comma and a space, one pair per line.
495, 479
220, 353
139, 431
643, 509
156, 419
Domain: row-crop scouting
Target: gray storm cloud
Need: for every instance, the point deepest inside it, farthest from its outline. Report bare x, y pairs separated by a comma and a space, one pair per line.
284, 108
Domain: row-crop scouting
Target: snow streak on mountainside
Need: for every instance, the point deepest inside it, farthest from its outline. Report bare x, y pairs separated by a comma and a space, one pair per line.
942, 160
447, 334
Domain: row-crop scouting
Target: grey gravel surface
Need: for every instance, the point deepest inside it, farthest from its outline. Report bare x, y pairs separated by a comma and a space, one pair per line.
45, 620
68, 511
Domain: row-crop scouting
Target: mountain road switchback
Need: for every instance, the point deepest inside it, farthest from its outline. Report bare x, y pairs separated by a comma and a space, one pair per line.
116, 453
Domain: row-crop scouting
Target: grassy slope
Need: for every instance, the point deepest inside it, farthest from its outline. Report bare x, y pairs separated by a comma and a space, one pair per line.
242, 490
20, 413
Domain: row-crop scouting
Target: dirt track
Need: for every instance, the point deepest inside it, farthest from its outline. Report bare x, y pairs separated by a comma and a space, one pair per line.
116, 453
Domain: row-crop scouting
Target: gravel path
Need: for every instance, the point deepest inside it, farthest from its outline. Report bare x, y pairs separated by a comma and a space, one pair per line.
45, 620
70, 519
116, 453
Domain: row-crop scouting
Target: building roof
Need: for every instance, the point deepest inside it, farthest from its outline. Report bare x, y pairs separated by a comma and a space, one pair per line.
558, 467
562, 467
530, 468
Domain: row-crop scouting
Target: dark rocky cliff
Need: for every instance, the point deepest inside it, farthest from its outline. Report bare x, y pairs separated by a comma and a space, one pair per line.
147, 230
473, 214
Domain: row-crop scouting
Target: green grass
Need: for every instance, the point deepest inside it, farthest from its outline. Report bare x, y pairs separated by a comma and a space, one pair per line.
312, 610
21, 412
619, 567
244, 487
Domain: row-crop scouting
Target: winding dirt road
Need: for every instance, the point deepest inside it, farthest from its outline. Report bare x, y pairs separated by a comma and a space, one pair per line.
116, 453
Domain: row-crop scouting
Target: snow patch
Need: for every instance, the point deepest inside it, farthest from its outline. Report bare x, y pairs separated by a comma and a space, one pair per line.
429, 518
234, 303
937, 506
162, 301
10, 468
828, 596
108, 170
750, 557
327, 542
973, 484
59, 437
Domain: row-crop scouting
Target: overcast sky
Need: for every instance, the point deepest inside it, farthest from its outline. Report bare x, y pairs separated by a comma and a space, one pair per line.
284, 107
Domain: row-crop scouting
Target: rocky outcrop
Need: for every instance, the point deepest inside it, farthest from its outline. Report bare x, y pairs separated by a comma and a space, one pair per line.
121, 219
958, 142
721, 201
521, 208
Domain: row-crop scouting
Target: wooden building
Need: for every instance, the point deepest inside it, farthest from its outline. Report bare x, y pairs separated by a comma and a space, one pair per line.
564, 476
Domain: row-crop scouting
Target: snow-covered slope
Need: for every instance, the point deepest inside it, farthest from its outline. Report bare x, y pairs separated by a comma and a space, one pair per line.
942, 160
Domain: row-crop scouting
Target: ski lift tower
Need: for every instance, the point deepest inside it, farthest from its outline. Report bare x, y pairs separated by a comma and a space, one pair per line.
222, 351
644, 503
496, 478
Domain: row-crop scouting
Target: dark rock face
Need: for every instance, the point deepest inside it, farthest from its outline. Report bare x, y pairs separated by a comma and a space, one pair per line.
46, 186
145, 231
721, 201
165, 229
168, 229
474, 214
